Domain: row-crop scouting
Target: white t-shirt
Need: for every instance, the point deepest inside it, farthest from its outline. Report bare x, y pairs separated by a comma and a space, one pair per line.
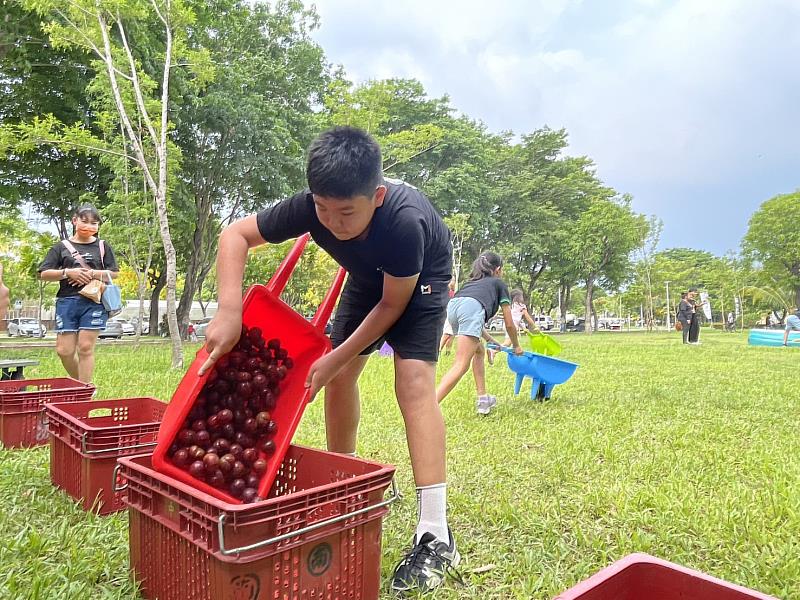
517, 308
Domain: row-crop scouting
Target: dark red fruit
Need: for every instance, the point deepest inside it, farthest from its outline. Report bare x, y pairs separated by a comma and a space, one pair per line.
230, 374
186, 437
259, 381
259, 467
250, 425
213, 422
239, 469
281, 353
237, 487
249, 456
244, 376
228, 430
239, 416
252, 364
272, 427
226, 463
225, 416
274, 344
249, 495
288, 362
203, 438
236, 450
262, 419
252, 480
222, 446
211, 461
181, 458
244, 389
197, 453
216, 479
281, 372
267, 447
197, 469
224, 361
173, 449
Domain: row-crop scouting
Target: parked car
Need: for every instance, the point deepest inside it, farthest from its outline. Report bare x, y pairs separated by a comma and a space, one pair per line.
544, 322
127, 326
26, 328
578, 324
496, 324
200, 328
145, 325
113, 329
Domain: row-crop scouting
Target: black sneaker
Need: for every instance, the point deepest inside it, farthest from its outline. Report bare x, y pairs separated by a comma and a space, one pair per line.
427, 564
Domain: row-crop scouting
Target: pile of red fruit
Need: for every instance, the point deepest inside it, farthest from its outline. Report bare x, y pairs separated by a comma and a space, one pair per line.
227, 436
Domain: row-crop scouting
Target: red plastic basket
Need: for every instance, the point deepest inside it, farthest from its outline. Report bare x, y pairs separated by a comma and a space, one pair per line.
305, 342
639, 576
88, 437
22, 418
317, 536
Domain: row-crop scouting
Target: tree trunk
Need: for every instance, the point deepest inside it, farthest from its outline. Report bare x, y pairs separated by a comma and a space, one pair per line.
154, 296
589, 306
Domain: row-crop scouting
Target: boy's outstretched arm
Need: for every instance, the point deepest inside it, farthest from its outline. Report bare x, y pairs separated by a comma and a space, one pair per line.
225, 328
397, 292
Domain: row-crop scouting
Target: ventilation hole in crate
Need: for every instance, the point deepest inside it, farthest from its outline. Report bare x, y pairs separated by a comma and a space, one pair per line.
120, 413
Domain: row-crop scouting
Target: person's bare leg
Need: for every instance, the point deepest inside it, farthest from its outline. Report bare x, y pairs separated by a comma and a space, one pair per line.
343, 407
479, 369
425, 432
66, 343
465, 350
86, 341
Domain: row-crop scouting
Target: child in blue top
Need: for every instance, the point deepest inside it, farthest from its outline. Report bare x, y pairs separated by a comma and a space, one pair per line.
472, 306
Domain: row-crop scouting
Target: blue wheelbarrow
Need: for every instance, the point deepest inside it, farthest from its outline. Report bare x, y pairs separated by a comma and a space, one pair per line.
545, 372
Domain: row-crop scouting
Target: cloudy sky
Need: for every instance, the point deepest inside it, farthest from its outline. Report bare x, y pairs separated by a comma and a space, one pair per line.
690, 106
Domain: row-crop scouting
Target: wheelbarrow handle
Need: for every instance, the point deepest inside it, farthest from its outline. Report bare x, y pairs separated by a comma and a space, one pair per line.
325, 309
278, 281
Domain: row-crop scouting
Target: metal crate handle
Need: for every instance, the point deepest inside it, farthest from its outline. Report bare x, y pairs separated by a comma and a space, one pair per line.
114, 475
118, 448
319, 524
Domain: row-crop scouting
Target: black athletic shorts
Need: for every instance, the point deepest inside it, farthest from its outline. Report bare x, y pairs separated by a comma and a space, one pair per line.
415, 335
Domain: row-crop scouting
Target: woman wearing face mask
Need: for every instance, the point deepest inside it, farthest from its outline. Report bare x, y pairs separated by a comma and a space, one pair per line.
74, 263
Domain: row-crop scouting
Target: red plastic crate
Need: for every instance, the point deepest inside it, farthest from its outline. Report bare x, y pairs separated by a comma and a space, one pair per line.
305, 343
22, 419
640, 576
317, 536
88, 437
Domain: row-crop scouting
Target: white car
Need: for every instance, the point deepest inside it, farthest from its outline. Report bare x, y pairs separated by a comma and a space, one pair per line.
127, 326
26, 328
544, 322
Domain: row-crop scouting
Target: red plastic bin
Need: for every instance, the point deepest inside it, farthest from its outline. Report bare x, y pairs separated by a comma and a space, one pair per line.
86, 438
639, 576
317, 536
305, 343
22, 419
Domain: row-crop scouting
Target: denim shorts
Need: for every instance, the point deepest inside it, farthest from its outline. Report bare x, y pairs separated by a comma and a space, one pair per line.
75, 313
466, 316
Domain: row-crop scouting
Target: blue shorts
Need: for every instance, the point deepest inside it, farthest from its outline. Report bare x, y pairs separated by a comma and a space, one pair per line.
75, 313
466, 316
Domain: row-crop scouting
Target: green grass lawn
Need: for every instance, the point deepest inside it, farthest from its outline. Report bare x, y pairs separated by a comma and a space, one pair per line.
688, 453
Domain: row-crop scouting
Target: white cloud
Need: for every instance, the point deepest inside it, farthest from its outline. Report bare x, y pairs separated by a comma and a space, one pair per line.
664, 96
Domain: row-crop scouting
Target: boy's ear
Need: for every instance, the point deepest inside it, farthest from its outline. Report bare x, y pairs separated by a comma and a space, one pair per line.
380, 194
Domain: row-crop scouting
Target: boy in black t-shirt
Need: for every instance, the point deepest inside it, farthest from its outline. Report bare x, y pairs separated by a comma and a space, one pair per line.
397, 251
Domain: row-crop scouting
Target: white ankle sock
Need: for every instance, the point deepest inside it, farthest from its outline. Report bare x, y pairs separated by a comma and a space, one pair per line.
432, 511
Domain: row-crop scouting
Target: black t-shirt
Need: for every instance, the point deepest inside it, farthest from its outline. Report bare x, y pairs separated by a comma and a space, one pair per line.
491, 292
406, 236
60, 258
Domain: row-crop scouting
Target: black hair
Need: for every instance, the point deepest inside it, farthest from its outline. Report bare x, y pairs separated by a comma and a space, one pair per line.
485, 266
344, 162
517, 292
692, 289
87, 210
